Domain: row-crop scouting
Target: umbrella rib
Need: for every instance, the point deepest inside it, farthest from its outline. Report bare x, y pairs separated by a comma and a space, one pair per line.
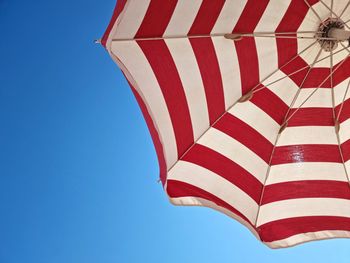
344, 98
314, 11
346, 7
342, 104
332, 88
331, 14
284, 65
279, 133
331, 10
236, 34
336, 119
220, 117
345, 95
300, 87
347, 21
239, 36
229, 108
312, 93
195, 142
267, 175
293, 73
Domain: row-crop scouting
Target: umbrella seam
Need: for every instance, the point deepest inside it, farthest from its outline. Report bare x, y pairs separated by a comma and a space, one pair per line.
282, 127
336, 119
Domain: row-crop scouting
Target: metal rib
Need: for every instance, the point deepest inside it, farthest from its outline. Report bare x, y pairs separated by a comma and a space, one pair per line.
312, 93
333, 13
297, 71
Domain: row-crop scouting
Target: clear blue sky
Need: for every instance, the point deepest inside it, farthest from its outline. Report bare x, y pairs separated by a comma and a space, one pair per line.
78, 171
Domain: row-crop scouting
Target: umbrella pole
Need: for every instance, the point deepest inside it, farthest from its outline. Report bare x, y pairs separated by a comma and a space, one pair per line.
339, 34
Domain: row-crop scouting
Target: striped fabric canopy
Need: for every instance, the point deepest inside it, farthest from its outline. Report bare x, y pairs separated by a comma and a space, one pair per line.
247, 121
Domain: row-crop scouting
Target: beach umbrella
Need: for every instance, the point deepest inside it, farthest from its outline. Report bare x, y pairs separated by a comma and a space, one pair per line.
248, 106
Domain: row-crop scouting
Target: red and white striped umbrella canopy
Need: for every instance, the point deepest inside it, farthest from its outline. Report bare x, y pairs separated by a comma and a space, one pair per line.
248, 106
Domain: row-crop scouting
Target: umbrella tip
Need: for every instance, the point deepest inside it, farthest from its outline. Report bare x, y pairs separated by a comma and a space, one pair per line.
97, 41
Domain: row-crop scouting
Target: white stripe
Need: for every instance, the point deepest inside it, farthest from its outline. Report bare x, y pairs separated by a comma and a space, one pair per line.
347, 167
134, 13
337, 58
267, 56
344, 132
235, 151
308, 135
229, 16
303, 207
186, 64
229, 68
338, 7
339, 93
182, 19
145, 82
257, 119
305, 237
216, 185
306, 171
285, 89
322, 98
310, 23
321, 10
267, 47
340, 89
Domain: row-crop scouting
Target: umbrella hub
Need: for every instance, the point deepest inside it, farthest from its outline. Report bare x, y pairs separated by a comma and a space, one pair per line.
331, 32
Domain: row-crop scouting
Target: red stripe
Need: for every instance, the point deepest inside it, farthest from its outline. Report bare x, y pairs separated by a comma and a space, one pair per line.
211, 76
176, 189
306, 153
306, 189
311, 117
288, 48
312, 2
285, 228
206, 17
248, 63
161, 61
245, 134
293, 17
117, 10
270, 103
345, 113
295, 66
246, 48
157, 18
251, 15
224, 167
345, 147
154, 134
316, 77
342, 72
